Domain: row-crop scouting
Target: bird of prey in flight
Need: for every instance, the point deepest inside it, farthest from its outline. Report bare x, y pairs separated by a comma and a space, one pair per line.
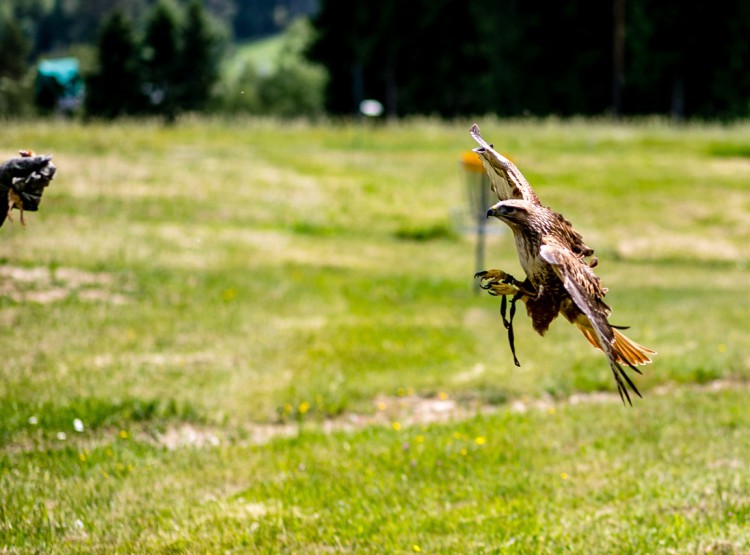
559, 270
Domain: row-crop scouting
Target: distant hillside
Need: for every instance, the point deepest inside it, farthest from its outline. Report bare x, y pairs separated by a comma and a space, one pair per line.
262, 54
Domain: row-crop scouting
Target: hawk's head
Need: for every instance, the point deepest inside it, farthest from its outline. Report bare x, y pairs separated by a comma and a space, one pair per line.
514, 212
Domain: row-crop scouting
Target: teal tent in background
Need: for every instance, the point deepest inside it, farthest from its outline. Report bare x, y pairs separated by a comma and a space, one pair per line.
59, 85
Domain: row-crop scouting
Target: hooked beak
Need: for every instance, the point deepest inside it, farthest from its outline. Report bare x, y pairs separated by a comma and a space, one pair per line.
498, 210
481, 149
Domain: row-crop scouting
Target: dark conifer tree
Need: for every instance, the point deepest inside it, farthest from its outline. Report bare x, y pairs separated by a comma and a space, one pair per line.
199, 59
15, 97
161, 61
14, 48
115, 89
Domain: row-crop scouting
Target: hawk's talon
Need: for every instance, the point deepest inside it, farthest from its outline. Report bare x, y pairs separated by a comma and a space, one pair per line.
501, 284
498, 283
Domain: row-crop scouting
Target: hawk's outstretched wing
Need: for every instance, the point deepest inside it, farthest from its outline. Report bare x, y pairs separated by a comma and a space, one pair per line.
505, 179
584, 288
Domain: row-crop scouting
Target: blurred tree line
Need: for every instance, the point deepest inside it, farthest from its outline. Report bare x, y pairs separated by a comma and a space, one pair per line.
56, 24
160, 57
444, 57
510, 57
171, 69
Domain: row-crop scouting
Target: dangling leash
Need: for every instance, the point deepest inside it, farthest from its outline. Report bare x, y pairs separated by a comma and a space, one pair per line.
508, 322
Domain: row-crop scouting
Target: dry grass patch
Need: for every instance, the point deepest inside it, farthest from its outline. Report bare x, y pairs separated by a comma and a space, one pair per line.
44, 285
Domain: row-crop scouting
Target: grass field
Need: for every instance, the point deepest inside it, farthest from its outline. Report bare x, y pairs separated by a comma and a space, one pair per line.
262, 337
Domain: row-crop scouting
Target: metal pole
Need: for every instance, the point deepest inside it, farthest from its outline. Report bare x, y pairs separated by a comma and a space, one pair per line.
481, 223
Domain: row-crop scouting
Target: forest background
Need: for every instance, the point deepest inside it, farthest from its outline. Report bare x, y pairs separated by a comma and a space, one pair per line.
445, 58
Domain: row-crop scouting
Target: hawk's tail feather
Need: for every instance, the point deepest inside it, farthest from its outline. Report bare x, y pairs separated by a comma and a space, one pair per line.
628, 351
624, 349
621, 375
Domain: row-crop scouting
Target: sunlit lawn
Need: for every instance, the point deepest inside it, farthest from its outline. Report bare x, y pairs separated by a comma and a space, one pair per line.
206, 280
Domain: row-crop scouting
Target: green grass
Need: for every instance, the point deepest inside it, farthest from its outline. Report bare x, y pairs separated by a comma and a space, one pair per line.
184, 290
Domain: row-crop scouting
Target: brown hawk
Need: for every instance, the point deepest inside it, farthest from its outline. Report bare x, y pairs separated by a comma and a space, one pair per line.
558, 267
